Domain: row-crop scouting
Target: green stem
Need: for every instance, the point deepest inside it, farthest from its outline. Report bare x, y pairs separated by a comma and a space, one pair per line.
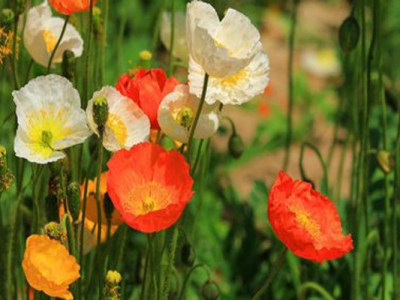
182, 293
87, 58
171, 41
174, 242
395, 203
316, 287
146, 266
14, 55
28, 70
272, 274
58, 44
291, 86
198, 112
99, 208
103, 52
197, 159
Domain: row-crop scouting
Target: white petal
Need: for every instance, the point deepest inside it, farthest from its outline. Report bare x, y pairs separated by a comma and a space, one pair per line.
240, 88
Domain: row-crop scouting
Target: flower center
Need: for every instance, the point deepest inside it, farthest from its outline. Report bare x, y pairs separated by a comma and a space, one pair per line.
50, 40
184, 116
234, 79
47, 138
118, 127
147, 197
306, 222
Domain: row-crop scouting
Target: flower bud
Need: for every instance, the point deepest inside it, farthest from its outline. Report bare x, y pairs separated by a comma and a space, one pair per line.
7, 16
55, 232
108, 207
74, 200
68, 65
235, 146
112, 286
385, 161
98, 24
100, 111
349, 34
20, 8
145, 55
188, 255
210, 290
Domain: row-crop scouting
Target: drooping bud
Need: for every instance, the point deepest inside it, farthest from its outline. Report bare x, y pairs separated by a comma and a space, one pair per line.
235, 146
6, 177
74, 200
100, 111
210, 290
349, 34
188, 254
108, 207
385, 161
20, 7
7, 16
55, 232
112, 286
68, 65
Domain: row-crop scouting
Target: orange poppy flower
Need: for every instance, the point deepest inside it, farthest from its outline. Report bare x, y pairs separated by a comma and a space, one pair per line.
68, 7
48, 266
149, 186
306, 221
147, 89
91, 209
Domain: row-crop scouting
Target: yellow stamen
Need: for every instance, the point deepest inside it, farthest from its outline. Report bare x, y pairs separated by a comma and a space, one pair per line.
184, 116
50, 40
233, 80
118, 127
304, 220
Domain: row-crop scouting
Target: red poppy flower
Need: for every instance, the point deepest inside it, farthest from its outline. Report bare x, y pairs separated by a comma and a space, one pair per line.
68, 7
149, 186
306, 221
147, 88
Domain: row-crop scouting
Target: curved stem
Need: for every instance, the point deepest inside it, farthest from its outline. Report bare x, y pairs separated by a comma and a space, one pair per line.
291, 86
198, 112
271, 276
181, 295
58, 44
316, 287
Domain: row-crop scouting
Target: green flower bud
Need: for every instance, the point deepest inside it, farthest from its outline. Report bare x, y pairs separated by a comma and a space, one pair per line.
112, 286
210, 290
100, 111
349, 34
235, 146
108, 207
74, 200
7, 16
55, 232
385, 161
188, 254
68, 65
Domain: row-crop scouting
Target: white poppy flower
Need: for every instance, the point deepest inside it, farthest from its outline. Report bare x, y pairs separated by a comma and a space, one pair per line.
50, 119
176, 114
237, 89
42, 32
222, 48
180, 43
127, 125
322, 63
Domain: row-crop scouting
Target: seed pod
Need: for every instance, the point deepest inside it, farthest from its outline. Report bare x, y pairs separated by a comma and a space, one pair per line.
100, 111
7, 16
210, 290
385, 161
235, 146
74, 200
188, 255
55, 232
349, 34
68, 65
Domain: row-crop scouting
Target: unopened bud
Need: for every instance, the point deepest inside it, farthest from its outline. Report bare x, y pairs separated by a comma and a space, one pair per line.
210, 290
349, 34
68, 65
100, 111
108, 207
385, 161
98, 24
112, 286
235, 146
74, 200
7, 16
188, 255
55, 232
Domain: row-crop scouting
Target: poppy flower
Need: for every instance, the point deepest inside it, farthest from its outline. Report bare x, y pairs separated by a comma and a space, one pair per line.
242, 87
177, 112
149, 186
306, 221
68, 7
126, 123
48, 266
147, 89
221, 48
50, 119
42, 32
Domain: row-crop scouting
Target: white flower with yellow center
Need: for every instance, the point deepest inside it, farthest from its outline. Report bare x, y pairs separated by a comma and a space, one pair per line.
126, 125
222, 48
50, 119
42, 32
322, 63
177, 112
237, 89
180, 43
